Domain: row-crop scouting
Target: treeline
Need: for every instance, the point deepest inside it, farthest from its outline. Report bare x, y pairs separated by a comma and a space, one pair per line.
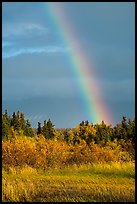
47, 147
99, 133
16, 123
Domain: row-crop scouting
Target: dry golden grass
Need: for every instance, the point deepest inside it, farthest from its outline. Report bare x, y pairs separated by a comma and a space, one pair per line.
85, 183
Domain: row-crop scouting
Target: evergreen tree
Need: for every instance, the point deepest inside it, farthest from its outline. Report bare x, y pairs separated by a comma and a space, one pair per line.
39, 129
124, 123
49, 130
66, 136
22, 121
86, 123
82, 123
28, 130
82, 130
15, 122
18, 115
131, 130
103, 132
5, 127
120, 132
6, 114
6, 120
44, 128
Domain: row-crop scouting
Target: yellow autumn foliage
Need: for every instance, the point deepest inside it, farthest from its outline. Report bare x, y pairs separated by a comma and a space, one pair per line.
39, 152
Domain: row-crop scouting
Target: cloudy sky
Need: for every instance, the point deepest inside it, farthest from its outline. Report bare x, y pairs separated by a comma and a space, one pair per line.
37, 77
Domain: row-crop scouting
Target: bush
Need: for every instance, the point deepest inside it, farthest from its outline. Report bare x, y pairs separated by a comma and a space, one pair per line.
39, 152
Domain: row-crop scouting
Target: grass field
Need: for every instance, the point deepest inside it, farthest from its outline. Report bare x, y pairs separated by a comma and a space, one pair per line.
87, 183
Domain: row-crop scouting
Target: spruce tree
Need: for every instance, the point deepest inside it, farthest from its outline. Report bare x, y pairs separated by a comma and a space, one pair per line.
44, 129
22, 121
39, 129
50, 130
28, 130
15, 121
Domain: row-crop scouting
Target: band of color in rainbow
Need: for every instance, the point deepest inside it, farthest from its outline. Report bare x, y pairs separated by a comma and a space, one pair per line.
81, 66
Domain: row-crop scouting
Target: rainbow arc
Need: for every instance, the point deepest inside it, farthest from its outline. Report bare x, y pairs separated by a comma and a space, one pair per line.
81, 66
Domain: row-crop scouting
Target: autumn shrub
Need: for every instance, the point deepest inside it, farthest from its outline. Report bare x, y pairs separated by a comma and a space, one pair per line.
18, 152
23, 151
36, 152
78, 153
92, 153
39, 152
127, 147
123, 150
57, 153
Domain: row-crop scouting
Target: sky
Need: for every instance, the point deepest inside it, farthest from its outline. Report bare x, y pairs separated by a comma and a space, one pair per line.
57, 58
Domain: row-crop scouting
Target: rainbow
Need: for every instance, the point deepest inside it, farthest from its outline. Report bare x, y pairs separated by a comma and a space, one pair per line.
81, 66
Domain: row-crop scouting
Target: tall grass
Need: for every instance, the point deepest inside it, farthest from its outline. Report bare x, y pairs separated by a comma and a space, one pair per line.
84, 183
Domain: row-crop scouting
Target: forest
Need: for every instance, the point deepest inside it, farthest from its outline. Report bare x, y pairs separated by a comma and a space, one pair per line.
85, 150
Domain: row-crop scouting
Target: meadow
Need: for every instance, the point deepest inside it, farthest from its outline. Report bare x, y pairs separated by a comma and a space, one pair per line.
113, 182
